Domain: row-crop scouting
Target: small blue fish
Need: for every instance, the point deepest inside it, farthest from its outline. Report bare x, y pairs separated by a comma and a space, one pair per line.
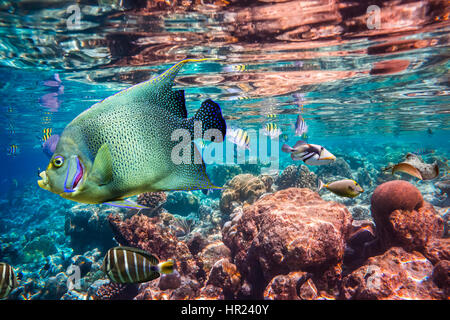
13, 150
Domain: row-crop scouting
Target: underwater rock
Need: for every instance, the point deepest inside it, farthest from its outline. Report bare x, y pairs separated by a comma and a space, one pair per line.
220, 174
225, 275
152, 200
290, 230
402, 218
243, 188
394, 275
441, 276
437, 250
196, 243
338, 168
361, 237
444, 187
284, 287
212, 253
297, 177
210, 292
181, 203
41, 246
108, 290
169, 281
88, 228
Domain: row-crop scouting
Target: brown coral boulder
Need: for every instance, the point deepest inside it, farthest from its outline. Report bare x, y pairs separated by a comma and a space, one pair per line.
243, 188
441, 276
395, 275
284, 287
290, 230
394, 195
402, 217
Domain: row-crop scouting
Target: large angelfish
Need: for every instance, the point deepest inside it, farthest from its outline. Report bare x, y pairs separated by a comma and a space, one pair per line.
122, 145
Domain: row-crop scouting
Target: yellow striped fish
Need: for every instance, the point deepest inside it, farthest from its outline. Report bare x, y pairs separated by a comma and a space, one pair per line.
239, 137
13, 150
272, 130
46, 133
132, 265
8, 280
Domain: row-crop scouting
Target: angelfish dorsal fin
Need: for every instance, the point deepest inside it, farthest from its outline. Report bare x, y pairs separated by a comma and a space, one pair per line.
158, 90
102, 167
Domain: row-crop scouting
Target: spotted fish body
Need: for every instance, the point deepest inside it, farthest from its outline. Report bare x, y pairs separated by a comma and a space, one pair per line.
8, 281
122, 146
132, 265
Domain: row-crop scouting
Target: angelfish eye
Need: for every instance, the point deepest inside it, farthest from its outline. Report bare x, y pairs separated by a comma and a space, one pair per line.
58, 161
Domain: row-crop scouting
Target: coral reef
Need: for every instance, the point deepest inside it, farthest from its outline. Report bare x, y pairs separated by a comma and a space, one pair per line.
152, 200
297, 177
88, 228
291, 230
181, 203
243, 188
396, 274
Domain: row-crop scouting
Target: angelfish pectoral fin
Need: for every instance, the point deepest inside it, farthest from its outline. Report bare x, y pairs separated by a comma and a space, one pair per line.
125, 203
102, 168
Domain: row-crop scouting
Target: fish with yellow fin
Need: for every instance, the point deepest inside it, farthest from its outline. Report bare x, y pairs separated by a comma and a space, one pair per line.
124, 145
345, 188
133, 265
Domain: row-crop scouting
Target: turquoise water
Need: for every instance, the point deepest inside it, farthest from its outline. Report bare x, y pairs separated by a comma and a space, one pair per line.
366, 94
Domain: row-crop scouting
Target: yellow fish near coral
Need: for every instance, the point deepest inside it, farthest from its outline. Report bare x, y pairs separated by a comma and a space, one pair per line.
123, 145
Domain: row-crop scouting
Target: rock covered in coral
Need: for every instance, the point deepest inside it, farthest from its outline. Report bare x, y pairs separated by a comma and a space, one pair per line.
441, 276
243, 188
396, 274
297, 177
153, 201
284, 287
225, 275
88, 228
170, 281
220, 174
290, 230
338, 168
108, 290
181, 203
444, 188
213, 252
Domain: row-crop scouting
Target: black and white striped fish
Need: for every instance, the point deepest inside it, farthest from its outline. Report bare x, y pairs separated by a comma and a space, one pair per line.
272, 130
8, 280
132, 265
239, 137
